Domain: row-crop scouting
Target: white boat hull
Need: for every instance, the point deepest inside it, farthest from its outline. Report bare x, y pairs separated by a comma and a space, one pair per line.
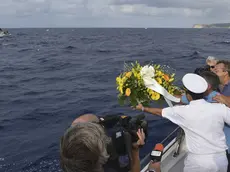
2, 34
173, 156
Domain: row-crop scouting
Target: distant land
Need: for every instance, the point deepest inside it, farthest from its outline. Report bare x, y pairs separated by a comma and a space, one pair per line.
217, 25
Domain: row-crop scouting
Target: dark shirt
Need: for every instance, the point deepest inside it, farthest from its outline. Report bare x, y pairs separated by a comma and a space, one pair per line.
226, 90
114, 166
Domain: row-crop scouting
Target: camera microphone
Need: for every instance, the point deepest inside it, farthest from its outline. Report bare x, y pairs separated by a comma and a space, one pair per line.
157, 153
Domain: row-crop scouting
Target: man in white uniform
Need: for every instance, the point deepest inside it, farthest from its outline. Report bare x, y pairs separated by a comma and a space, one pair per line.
203, 125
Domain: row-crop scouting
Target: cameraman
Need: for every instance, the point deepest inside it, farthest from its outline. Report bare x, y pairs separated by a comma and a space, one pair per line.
84, 148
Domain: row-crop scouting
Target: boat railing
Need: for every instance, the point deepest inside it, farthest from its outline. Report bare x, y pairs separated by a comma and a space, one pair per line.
178, 135
178, 139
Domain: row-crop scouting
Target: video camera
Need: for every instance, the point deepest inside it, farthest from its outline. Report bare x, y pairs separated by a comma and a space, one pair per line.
122, 130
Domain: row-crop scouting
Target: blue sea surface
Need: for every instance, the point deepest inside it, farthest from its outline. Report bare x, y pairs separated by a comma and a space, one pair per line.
50, 77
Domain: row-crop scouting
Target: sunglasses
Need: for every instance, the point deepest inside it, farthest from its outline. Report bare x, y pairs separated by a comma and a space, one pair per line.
212, 67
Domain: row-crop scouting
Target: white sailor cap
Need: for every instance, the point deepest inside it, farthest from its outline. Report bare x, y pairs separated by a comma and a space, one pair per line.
195, 83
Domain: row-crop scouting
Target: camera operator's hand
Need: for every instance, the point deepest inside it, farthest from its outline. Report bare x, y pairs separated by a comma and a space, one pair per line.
135, 163
141, 140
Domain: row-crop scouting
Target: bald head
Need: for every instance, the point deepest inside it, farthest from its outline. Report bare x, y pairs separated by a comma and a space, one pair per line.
86, 118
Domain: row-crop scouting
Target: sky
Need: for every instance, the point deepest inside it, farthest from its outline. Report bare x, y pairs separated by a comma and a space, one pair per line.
112, 13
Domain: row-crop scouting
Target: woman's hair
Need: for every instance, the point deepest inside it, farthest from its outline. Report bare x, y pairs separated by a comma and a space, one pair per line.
83, 148
211, 58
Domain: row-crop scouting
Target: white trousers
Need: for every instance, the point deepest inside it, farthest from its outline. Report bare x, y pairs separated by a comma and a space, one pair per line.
206, 163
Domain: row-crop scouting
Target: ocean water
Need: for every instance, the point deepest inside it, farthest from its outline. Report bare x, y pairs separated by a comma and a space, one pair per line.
49, 77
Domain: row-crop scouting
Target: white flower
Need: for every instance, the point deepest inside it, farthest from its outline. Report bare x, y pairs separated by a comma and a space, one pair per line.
147, 71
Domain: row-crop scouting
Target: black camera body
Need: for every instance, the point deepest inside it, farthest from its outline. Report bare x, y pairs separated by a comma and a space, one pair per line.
123, 131
117, 125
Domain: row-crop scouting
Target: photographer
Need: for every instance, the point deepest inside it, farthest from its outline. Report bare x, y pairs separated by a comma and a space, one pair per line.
84, 147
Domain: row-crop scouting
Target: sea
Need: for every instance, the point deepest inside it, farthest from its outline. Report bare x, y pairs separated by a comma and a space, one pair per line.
50, 76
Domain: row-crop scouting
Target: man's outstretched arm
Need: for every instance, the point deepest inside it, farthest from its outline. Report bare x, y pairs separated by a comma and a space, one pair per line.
154, 111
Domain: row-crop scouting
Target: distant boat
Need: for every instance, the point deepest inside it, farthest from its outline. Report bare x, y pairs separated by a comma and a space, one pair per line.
4, 32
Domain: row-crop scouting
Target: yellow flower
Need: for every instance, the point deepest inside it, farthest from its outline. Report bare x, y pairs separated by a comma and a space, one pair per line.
155, 96
118, 79
160, 73
171, 80
159, 80
152, 92
135, 73
138, 76
128, 74
127, 92
166, 77
149, 91
171, 92
123, 79
120, 88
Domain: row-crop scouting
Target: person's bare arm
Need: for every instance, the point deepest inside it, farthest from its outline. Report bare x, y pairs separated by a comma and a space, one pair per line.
154, 111
222, 99
135, 163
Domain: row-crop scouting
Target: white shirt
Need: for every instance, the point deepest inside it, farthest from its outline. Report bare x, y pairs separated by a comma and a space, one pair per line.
203, 125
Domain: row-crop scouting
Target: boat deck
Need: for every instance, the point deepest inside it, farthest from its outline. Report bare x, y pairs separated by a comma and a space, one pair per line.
174, 164
174, 155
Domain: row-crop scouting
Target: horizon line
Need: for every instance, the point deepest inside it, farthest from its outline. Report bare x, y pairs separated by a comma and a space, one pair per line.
63, 27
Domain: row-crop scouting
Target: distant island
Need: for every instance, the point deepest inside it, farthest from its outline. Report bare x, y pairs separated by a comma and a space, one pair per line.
217, 25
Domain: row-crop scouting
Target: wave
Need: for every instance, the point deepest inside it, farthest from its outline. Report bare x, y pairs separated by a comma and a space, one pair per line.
24, 80
25, 50
43, 43
21, 34
87, 38
70, 47
12, 45
193, 56
221, 42
34, 93
225, 42
103, 51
